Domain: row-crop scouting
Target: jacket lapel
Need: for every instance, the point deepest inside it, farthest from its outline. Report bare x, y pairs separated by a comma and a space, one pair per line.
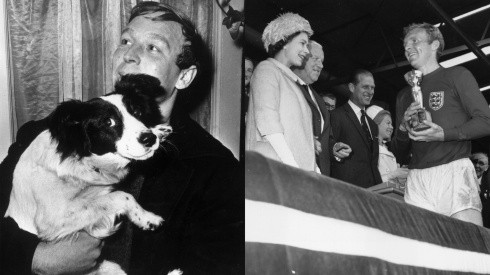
323, 110
352, 116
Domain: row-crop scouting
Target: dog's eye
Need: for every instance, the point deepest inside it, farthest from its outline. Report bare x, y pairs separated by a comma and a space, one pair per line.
110, 122
137, 113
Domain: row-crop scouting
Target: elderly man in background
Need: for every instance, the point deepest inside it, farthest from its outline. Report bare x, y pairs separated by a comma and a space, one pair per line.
309, 73
480, 161
330, 101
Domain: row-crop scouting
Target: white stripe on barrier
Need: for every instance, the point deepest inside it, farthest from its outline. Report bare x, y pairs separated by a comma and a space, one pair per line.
276, 224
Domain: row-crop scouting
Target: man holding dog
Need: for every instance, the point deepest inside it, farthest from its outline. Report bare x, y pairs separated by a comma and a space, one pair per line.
194, 184
441, 176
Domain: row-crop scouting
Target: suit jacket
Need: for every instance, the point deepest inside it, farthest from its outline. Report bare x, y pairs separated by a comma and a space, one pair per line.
277, 105
323, 159
485, 198
361, 167
195, 184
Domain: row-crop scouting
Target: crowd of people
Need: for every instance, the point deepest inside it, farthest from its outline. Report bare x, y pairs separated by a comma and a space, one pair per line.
358, 142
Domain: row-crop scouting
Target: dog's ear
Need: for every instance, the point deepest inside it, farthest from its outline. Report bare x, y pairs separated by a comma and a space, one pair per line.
141, 84
67, 127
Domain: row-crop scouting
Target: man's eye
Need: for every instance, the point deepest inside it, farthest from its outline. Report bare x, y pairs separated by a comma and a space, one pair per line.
152, 48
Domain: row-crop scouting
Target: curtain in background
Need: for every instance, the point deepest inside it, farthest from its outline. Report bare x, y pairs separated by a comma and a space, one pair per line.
62, 49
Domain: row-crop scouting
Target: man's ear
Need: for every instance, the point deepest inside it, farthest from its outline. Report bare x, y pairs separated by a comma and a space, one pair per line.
351, 87
435, 45
186, 77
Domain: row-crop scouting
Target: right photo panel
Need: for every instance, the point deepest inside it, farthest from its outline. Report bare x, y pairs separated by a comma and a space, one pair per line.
365, 134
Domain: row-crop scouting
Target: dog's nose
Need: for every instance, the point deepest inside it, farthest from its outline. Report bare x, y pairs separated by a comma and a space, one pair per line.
147, 139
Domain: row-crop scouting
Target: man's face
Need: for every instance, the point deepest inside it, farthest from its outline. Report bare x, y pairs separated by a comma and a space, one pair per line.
150, 47
330, 103
418, 51
249, 69
481, 163
297, 50
363, 91
314, 64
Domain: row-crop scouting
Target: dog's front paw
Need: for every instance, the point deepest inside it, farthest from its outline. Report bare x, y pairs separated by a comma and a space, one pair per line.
148, 221
161, 131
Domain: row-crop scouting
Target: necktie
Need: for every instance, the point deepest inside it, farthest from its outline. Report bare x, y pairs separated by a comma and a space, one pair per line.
365, 126
316, 116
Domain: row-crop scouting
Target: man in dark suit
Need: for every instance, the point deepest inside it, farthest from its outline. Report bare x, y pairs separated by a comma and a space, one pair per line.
309, 73
480, 161
351, 125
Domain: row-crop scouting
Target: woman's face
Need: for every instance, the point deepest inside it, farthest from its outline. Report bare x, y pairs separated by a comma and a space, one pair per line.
296, 51
385, 128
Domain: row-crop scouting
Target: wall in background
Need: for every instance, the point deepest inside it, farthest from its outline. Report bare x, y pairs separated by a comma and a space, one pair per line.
5, 114
226, 96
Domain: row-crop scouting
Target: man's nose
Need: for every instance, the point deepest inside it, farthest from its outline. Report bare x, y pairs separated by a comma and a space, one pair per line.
132, 55
408, 46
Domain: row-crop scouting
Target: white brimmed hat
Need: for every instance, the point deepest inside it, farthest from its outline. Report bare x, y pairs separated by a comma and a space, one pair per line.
375, 113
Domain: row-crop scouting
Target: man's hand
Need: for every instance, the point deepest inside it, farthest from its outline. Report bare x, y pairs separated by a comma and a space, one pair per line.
71, 255
409, 116
341, 150
318, 146
434, 133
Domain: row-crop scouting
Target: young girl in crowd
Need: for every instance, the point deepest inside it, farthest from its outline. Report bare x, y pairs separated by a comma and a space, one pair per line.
388, 167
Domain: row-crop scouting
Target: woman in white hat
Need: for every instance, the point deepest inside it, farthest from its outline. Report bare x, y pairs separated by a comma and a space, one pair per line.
388, 167
279, 120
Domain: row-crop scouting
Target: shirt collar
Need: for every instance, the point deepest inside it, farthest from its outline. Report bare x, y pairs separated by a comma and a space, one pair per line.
356, 108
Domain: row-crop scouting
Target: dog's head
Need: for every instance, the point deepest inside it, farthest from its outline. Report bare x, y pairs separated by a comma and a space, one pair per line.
125, 122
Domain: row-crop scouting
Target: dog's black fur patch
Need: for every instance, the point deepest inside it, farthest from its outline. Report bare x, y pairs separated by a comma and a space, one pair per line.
93, 127
140, 92
83, 128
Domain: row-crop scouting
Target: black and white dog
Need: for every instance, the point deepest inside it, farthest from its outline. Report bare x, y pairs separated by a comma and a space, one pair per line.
64, 180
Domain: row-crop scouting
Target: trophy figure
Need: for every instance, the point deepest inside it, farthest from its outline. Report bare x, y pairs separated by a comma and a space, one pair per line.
413, 78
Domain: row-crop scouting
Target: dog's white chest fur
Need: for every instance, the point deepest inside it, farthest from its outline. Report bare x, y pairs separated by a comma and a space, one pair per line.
44, 185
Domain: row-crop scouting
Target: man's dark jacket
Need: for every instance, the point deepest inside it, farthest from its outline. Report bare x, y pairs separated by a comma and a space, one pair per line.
361, 166
326, 136
485, 198
194, 183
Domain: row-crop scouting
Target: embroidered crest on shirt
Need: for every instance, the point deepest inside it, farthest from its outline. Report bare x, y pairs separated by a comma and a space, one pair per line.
436, 100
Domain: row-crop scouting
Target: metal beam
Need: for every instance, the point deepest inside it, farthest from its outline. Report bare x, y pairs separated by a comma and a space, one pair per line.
449, 21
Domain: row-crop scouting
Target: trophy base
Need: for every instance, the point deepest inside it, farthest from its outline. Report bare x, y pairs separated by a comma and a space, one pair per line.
421, 127
417, 124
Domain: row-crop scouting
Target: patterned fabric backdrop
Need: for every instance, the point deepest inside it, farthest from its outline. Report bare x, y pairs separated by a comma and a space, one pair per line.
62, 49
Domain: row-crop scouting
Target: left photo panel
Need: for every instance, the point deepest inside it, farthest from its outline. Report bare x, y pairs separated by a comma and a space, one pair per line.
120, 137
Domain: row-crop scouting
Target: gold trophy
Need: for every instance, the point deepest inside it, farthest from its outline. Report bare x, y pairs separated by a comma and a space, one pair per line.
413, 78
